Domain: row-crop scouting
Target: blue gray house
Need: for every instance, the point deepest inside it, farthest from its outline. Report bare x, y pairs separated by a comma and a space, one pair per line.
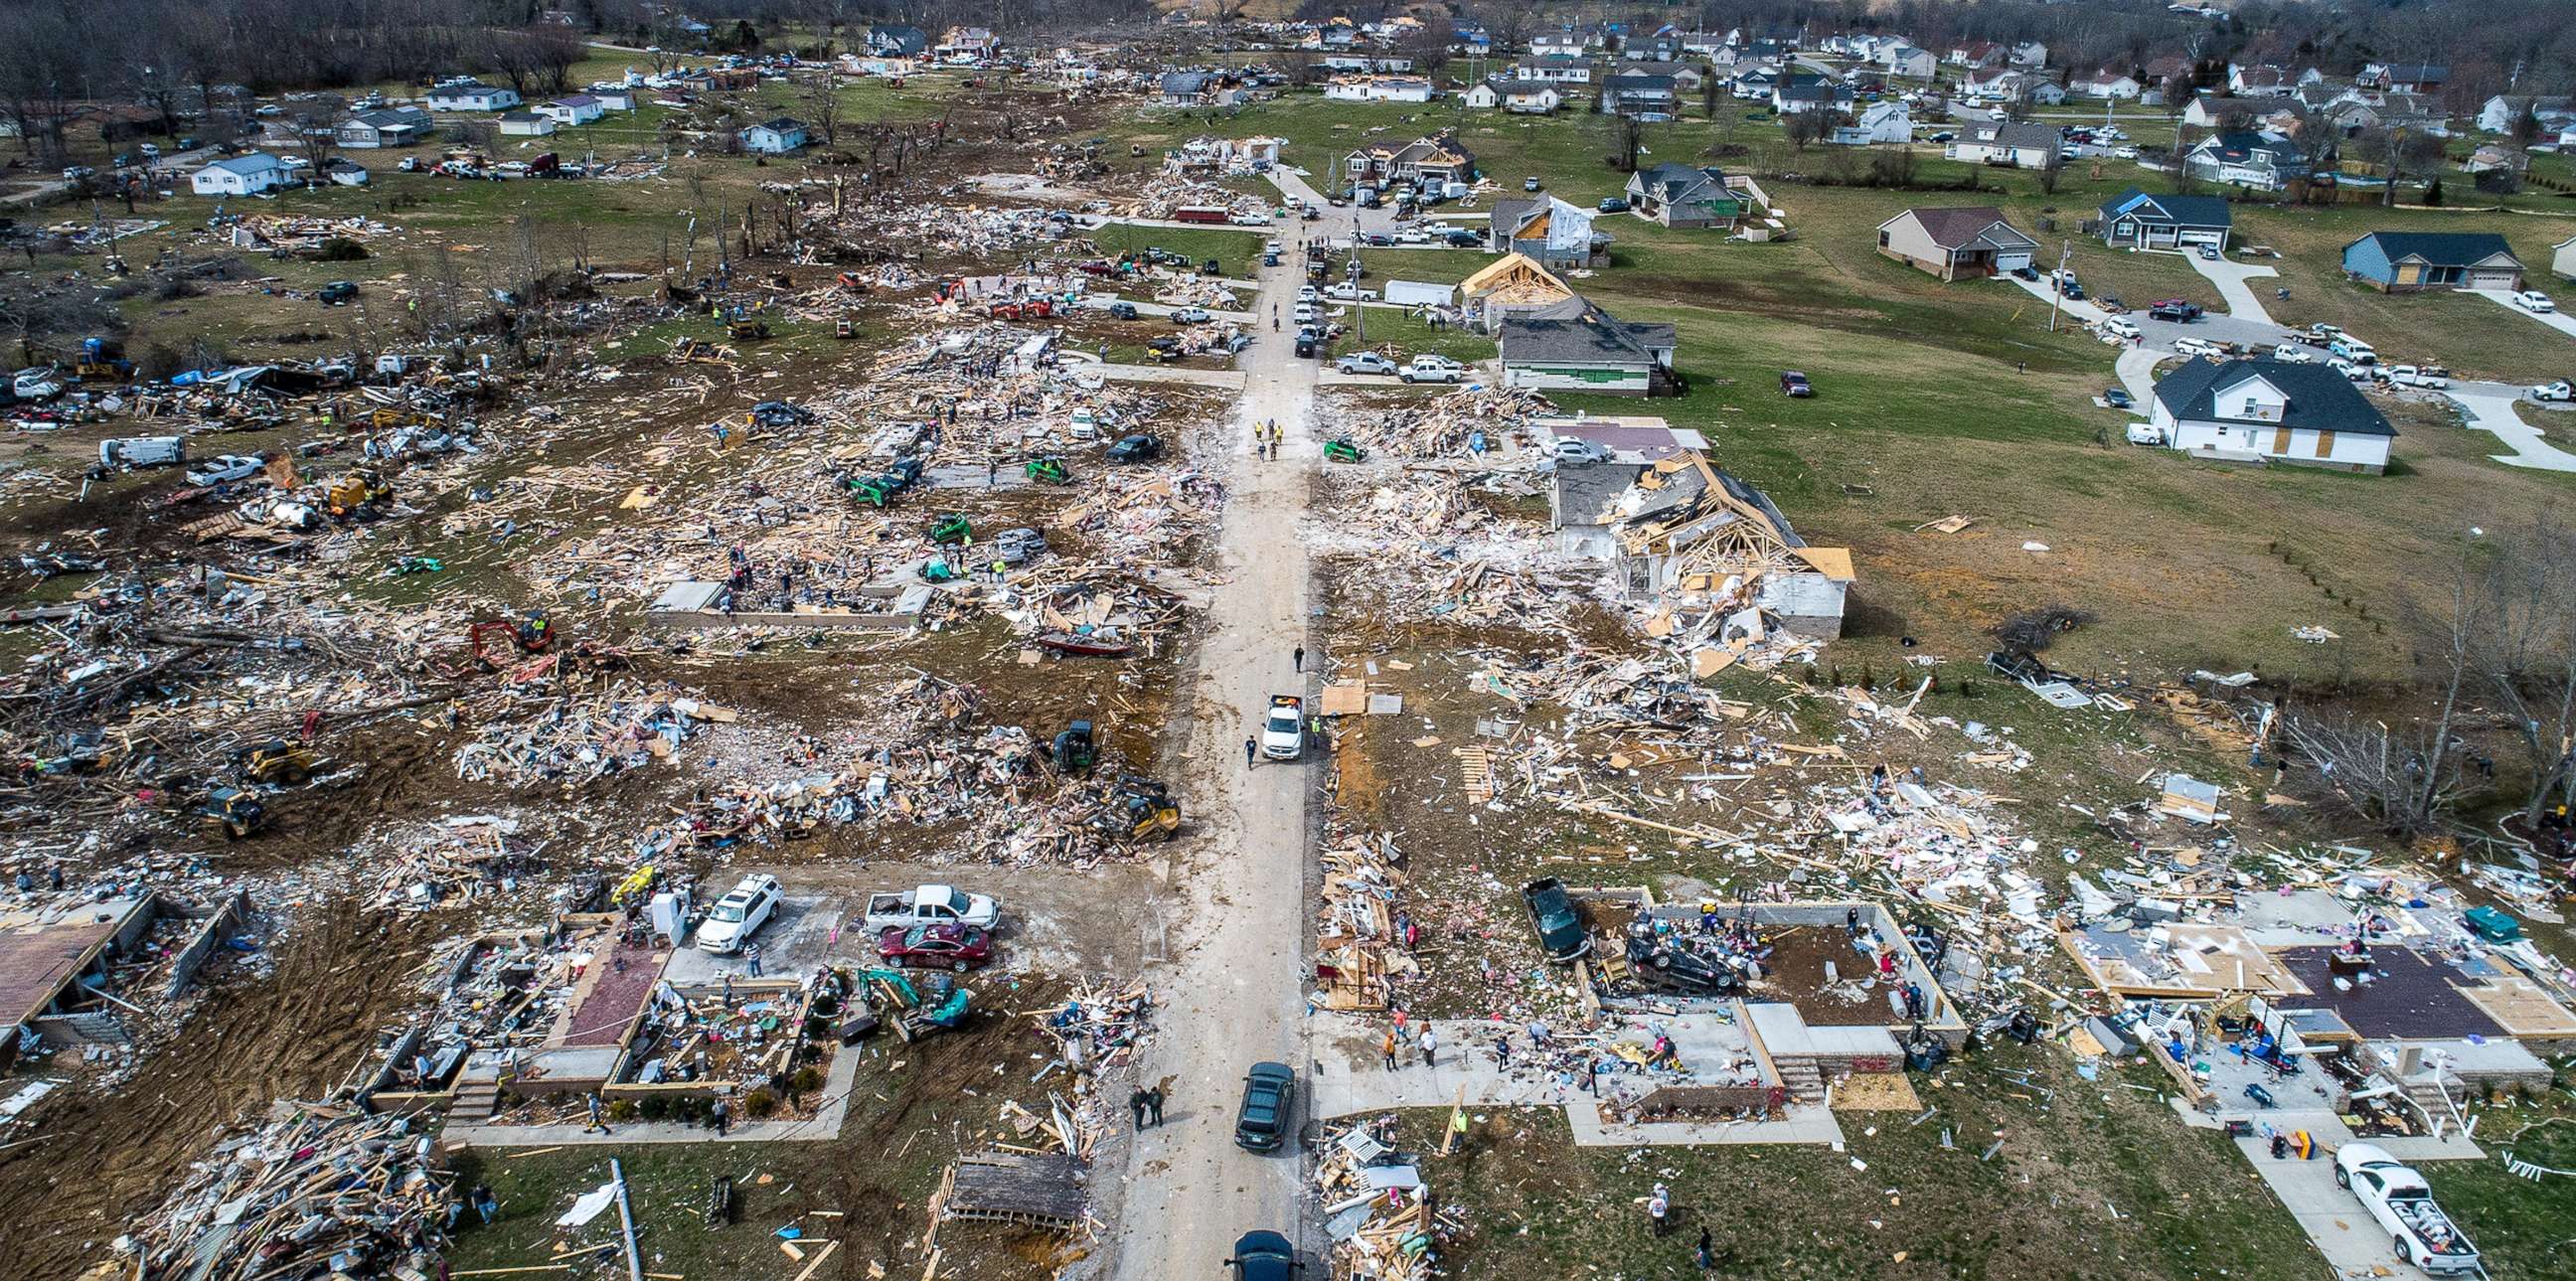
2407, 261
2138, 219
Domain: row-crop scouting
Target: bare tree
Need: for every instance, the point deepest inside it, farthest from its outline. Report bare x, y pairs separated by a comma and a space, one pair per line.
1804, 128
823, 104
317, 139
2525, 652
2407, 778
1627, 140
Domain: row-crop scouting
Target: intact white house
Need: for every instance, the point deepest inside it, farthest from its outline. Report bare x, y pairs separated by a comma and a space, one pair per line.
2270, 411
1886, 121
775, 137
471, 97
239, 176
1379, 89
579, 109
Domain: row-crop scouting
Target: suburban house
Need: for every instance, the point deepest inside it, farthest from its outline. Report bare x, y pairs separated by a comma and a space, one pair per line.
527, 124
1666, 521
1658, 48
1520, 97
2404, 77
1548, 231
2270, 410
1798, 96
1686, 76
775, 137
614, 97
2406, 261
2029, 53
897, 42
1627, 95
1956, 242
1910, 63
2499, 113
1576, 346
1437, 158
2046, 93
471, 96
1678, 195
1981, 53
2261, 82
1379, 89
345, 173
2562, 258
579, 109
1185, 88
2136, 220
2209, 111
239, 176
966, 45
1887, 121
1559, 44
2259, 159
2022, 146
1553, 69
393, 127
2111, 83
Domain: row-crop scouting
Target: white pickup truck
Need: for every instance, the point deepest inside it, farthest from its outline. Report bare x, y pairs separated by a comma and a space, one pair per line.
2402, 1202
931, 905
1428, 368
1283, 729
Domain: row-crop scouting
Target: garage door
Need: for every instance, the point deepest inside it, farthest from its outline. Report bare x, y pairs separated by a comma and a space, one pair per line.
2011, 259
2491, 280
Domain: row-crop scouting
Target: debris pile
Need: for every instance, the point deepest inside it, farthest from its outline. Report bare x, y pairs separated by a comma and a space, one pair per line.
325, 1182
622, 728
1378, 1212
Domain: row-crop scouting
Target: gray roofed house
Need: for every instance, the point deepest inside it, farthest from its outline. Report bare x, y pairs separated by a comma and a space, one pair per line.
2025, 146
2141, 219
2271, 411
1576, 346
1633, 94
1679, 195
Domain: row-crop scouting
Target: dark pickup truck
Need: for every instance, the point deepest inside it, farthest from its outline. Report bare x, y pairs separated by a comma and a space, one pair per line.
1561, 932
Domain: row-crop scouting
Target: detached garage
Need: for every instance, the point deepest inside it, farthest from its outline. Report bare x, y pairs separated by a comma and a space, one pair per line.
2407, 261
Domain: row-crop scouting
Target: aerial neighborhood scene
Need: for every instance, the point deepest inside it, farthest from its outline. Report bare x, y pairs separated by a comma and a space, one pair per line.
1866, 638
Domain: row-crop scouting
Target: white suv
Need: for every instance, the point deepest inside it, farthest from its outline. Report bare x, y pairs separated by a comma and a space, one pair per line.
740, 914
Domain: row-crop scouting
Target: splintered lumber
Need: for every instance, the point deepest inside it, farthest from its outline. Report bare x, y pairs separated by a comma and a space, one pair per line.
817, 1264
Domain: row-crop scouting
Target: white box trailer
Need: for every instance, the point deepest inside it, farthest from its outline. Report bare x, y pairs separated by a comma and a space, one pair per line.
1415, 293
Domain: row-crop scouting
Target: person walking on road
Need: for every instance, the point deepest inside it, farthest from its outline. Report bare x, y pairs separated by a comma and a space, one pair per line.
723, 1120
1298, 656
1250, 746
1430, 1045
598, 1117
1136, 1105
1387, 1048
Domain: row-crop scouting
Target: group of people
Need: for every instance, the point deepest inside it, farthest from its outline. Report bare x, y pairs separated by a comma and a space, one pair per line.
1146, 1102
1266, 439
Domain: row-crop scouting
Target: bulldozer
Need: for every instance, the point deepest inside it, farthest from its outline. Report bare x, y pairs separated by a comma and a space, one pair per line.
1338, 450
103, 358
875, 491
358, 490
236, 812
1143, 810
952, 528
746, 328
936, 1006
1049, 471
275, 762
1075, 753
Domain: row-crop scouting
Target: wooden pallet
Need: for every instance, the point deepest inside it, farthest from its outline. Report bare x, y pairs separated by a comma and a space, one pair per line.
1477, 765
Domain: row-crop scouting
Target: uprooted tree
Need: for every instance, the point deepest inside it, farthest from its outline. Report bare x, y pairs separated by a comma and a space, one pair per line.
2033, 630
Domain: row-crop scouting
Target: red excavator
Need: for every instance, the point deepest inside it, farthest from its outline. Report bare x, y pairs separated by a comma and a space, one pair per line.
531, 635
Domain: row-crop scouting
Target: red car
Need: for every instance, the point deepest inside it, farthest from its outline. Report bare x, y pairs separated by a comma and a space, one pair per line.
956, 947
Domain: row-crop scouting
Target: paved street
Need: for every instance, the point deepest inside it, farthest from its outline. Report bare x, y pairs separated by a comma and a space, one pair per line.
1232, 994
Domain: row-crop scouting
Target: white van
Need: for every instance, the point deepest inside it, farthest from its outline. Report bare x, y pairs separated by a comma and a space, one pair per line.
142, 451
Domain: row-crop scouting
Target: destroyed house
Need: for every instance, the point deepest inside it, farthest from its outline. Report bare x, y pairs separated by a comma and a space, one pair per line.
1438, 158
1555, 234
1680, 524
1576, 346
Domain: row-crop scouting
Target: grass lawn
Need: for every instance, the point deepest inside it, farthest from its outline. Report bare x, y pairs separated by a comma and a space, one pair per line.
1397, 331
2091, 1180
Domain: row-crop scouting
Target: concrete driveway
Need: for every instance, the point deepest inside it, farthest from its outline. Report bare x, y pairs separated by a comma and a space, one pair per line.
2137, 369
2493, 408
2557, 320
2232, 279
2343, 1232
